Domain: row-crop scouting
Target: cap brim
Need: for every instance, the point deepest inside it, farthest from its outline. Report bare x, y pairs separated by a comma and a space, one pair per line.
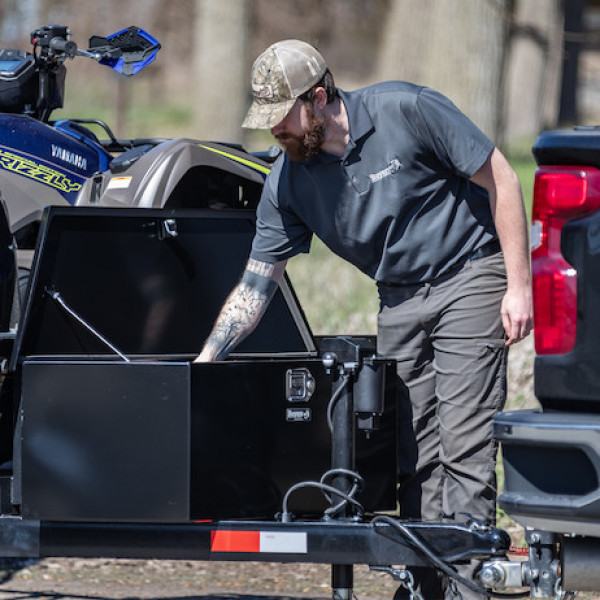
265, 115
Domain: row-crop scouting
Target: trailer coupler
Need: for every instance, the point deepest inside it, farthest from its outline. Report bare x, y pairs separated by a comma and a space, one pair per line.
541, 573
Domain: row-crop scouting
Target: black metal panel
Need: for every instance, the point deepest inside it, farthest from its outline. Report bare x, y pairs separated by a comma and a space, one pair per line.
152, 282
246, 453
19, 538
105, 441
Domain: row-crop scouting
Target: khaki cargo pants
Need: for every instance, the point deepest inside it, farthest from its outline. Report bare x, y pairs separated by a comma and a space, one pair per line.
448, 339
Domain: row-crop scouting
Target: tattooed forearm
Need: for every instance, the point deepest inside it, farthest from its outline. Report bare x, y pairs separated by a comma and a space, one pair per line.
243, 309
240, 315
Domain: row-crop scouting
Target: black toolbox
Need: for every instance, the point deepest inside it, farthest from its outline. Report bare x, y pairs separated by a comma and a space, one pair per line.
116, 424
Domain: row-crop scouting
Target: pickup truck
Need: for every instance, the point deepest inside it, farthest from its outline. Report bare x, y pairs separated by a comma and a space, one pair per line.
552, 455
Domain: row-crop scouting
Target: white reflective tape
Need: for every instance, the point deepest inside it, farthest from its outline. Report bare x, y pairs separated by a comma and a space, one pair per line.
290, 542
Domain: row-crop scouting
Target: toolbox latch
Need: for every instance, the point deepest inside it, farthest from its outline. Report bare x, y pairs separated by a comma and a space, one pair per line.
299, 385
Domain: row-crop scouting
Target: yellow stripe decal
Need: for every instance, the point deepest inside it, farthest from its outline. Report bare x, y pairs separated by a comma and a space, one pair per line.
239, 159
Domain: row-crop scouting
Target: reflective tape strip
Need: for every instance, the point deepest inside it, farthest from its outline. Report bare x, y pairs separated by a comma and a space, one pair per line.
259, 541
235, 541
286, 543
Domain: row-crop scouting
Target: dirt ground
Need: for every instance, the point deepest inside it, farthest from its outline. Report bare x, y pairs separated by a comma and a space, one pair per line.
79, 579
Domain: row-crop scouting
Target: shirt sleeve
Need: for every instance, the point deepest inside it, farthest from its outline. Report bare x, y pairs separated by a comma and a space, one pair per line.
280, 233
456, 141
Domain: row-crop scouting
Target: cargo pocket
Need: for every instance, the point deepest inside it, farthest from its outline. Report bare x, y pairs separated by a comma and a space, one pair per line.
490, 375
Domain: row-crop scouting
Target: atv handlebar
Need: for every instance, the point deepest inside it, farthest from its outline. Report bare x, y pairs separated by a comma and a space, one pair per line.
54, 42
126, 51
60, 45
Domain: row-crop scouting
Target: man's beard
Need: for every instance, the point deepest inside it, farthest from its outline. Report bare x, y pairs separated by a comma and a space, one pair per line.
301, 148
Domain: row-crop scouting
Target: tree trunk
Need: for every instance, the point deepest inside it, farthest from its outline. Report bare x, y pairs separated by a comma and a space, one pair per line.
454, 46
533, 69
573, 14
220, 69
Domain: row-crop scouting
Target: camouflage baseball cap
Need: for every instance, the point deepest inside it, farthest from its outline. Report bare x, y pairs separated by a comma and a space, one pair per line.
284, 71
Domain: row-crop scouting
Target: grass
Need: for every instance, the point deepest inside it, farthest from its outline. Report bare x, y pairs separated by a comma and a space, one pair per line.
336, 297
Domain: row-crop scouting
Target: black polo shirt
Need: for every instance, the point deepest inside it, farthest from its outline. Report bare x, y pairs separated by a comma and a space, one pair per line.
398, 204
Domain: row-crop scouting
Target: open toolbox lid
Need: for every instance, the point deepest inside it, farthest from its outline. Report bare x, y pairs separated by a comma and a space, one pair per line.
151, 282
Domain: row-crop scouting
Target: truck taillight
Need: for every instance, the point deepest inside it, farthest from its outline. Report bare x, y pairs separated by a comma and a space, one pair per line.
560, 194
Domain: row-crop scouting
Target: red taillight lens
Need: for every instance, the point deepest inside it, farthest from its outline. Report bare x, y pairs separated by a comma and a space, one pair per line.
560, 194
554, 305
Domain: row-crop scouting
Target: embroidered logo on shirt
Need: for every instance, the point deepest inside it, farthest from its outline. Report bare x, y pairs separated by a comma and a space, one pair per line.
392, 168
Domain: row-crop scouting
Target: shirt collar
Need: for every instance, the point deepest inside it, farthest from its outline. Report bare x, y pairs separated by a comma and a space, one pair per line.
359, 119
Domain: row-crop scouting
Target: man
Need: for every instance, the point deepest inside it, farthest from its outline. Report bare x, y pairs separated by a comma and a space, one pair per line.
395, 179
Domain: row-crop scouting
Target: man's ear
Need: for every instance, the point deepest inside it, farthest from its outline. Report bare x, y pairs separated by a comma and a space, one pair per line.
320, 97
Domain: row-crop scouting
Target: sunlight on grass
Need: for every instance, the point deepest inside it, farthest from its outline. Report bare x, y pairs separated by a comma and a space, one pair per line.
337, 298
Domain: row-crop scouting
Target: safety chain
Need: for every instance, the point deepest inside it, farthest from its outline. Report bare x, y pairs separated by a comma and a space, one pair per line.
560, 594
406, 579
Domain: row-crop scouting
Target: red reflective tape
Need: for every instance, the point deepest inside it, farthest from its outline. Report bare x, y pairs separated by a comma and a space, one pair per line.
234, 541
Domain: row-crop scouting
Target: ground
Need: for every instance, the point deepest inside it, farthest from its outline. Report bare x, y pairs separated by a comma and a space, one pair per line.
185, 580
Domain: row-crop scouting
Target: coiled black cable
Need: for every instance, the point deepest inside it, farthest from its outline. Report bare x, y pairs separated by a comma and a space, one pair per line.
357, 486
328, 491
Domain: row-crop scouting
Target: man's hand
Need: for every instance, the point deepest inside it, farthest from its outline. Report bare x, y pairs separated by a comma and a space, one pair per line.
208, 354
516, 314
243, 309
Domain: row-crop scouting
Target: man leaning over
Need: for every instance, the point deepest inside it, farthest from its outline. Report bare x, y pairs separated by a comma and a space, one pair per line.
397, 181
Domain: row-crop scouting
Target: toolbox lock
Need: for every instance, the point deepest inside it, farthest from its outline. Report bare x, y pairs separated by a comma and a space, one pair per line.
299, 385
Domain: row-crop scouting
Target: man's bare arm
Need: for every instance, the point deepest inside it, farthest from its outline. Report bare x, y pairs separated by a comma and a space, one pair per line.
243, 309
506, 201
